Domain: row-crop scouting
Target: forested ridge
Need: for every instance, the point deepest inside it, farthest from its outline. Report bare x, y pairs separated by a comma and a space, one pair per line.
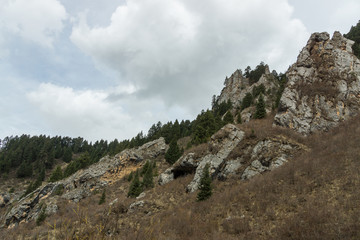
30, 156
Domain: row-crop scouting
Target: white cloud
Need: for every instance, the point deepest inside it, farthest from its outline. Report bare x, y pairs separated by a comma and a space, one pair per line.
90, 114
181, 50
39, 21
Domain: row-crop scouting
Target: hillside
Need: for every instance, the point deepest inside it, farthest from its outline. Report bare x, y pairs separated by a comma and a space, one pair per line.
281, 151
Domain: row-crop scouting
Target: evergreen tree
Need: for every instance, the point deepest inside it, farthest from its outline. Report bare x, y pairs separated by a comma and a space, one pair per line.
205, 185
56, 175
135, 186
67, 157
354, 34
102, 198
41, 176
260, 108
247, 101
173, 153
155, 170
228, 118
239, 120
144, 169
148, 181
282, 81
130, 176
25, 170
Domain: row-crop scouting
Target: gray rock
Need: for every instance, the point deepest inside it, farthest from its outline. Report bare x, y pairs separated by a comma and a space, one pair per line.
236, 87
4, 199
221, 143
269, 154
230, 168
82, 183
142, 195
136, 205
323, 86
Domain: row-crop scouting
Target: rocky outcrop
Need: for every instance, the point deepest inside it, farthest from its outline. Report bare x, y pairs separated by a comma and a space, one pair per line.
323, 86
269, 154
221, 144
110, 169
29, 208
231, 153
83, 182
237, 86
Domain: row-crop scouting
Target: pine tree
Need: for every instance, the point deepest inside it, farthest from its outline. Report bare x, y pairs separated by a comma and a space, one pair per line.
228, 118
56, 175
247, 101
205, 185
173, 153
130, 176
145, 168
25, 170
148, 181
239, 120
67, 157
135, 186
354, 34
260, 108
102, 198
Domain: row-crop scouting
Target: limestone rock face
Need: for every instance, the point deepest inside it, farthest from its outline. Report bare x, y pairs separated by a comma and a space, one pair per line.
28, 207
269, 154
236, 87
230, 152
221, 144
323, 86
83, 182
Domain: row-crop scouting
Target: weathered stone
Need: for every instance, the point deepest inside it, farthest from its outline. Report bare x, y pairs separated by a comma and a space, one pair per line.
323, 86
230, 168
269, 154
4, 199
221, 143
142, 195
236, 87
83, 182
136, 205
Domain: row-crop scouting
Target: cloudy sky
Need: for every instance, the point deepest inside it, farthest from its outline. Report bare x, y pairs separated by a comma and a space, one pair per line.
109, 69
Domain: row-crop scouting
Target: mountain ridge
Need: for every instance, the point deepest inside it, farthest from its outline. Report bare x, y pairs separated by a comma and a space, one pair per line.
234, 152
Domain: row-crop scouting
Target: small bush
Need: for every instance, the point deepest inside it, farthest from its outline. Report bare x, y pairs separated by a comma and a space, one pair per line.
42, 216
102, 198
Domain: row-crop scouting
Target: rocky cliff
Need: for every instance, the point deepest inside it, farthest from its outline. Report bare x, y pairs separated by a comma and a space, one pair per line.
236, 87
323, 85
230, 152
82, 183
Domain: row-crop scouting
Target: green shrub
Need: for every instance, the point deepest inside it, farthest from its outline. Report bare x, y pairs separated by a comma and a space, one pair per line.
205, 185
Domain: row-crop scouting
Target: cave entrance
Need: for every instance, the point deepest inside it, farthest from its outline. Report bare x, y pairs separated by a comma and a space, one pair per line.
183, 171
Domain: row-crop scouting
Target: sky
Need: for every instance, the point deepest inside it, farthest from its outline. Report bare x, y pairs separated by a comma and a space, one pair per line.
110, 69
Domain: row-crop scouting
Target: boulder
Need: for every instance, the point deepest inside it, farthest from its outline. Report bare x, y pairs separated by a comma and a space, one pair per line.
4, 199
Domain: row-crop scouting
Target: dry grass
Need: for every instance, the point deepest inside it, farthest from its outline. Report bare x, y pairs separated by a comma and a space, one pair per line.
315, 196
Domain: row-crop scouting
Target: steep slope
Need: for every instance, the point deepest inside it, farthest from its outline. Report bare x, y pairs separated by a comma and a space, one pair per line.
323, 86
230, 152
81, 184
237, 87
313, 196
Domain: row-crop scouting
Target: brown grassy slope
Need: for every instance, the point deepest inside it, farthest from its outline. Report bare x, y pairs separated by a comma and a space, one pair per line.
315, 196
